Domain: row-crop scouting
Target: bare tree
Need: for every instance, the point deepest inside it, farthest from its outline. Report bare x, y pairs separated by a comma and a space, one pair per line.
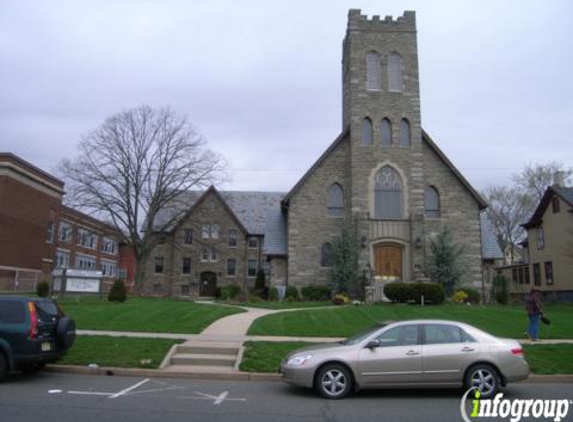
135, 164
534, 179
508, 208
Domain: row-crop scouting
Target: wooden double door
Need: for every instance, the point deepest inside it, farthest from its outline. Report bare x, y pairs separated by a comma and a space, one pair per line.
388, 262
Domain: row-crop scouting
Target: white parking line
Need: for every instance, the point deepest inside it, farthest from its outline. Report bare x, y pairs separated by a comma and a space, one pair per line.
127, 390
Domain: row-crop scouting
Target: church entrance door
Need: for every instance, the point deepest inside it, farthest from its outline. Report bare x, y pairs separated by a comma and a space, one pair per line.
388, 262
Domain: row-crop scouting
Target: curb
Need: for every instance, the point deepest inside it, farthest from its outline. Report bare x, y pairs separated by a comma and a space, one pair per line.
157, 373
235, 376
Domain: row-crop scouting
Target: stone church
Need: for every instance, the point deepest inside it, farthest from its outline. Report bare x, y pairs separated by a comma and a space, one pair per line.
383, 172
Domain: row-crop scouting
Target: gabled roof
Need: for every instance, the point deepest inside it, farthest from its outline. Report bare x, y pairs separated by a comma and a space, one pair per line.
249, 209
318, 162
426, 138
566, 194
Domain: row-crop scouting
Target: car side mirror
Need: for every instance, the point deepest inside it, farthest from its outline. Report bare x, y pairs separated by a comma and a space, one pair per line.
372, 344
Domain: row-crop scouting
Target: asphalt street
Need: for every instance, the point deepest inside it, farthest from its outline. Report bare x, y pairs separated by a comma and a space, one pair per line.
55, 397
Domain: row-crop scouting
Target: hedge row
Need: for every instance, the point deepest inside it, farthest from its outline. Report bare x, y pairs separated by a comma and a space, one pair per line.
413, 292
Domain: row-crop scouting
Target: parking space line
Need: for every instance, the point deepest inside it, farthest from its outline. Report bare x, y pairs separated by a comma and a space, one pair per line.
127, 390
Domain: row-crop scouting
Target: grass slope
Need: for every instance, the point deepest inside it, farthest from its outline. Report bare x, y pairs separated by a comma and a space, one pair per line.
145, 315
503, 321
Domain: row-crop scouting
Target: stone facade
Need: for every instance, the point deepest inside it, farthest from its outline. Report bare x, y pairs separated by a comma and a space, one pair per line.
395, 224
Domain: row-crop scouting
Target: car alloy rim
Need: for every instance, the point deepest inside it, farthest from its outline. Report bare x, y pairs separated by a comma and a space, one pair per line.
484, 381
333, 382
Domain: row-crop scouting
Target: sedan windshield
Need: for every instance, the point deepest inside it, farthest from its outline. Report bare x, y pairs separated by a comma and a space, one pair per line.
357, 338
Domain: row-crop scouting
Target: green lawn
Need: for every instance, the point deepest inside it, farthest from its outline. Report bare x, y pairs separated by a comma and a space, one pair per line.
120, 352
503, 321
265, 356
144, 315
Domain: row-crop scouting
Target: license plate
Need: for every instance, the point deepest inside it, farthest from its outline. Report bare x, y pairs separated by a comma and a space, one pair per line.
46, 346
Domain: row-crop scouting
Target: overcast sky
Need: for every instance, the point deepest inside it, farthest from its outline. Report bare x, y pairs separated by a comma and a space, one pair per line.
261, 80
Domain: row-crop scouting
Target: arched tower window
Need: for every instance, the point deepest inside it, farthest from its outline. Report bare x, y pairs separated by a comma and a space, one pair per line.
326, 255
386, 130
387, 194
432, 202
335, 200
394, 72
373, 72
404, 133
366, 132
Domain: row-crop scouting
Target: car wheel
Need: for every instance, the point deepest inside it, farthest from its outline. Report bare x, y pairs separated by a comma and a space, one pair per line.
3, 366
66, 332
485, 378
32, 368
333, 381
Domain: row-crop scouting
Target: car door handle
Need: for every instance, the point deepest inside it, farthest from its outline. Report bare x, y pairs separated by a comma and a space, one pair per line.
468, 349
412, 353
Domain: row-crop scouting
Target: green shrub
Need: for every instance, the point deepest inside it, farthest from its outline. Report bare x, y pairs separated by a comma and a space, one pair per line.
273, 294
230, 292
316, 293
43, 289
118, 292
412, 292
474, 296
398, 292
291, 294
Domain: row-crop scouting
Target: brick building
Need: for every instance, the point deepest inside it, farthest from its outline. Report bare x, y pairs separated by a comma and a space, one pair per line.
38, 234
383, 172
30, 201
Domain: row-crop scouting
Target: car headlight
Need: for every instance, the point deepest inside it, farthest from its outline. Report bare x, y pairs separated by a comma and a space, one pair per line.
298, 360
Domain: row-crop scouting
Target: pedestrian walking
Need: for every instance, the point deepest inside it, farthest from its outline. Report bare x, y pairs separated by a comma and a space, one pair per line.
534, 312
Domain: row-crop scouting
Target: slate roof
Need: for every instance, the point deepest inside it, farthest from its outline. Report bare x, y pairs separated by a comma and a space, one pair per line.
260, 213
490, 248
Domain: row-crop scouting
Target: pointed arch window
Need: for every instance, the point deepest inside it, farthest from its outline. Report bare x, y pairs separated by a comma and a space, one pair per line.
335, 200
366, 131
373, 72
387, 194
386, 131
326, 255
432, 202
405, 133
394, 72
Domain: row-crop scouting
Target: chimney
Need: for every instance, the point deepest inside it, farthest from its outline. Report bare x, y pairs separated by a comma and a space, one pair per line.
559, 179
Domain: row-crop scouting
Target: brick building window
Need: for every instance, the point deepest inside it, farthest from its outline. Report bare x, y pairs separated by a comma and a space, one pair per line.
536, 275
158, 264
109, 245
50, 235
549, 273
188, 236
335, 200
386, 132
366, 131
252, 268
108, 268
65, 232
85, 262
62, 259
186, 266
232, 238
86, 239
231, 267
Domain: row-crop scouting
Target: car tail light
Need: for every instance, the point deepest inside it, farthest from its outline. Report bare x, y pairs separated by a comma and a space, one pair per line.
33, 320
518, 351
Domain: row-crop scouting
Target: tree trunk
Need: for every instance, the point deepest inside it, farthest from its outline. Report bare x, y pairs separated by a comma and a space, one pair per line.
139, 278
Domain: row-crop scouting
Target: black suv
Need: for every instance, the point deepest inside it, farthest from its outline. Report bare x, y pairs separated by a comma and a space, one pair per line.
33, 332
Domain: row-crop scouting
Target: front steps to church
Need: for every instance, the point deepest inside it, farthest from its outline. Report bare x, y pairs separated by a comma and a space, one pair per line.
204, 356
